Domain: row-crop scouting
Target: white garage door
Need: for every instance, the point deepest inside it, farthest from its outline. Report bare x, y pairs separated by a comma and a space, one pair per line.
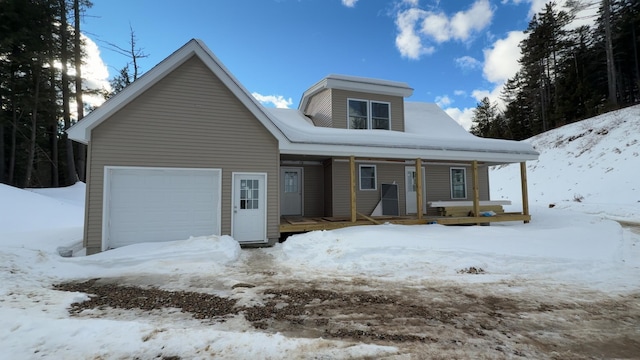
159, 204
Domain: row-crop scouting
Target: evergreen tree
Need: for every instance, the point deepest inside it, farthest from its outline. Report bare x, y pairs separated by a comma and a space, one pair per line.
484, 117
34, 93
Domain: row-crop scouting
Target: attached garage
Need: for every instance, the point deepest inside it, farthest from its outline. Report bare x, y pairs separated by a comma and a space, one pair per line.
159, 204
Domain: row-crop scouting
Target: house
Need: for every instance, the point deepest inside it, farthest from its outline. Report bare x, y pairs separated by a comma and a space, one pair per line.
186, 150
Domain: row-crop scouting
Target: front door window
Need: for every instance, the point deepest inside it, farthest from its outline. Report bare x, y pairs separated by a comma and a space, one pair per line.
249, 194
291, 181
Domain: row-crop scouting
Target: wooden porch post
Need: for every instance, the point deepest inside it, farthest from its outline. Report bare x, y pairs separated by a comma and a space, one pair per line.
476, 188
352, 187
419, 204
525, 193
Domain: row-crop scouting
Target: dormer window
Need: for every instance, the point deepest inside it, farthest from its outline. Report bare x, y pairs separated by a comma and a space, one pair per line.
369, 114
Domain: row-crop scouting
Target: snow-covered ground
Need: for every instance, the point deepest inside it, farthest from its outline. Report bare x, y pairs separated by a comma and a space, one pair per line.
592, 166
563, 256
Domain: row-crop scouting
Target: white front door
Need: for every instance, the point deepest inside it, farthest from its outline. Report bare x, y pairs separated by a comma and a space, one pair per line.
410, 186
249, 207
291, 191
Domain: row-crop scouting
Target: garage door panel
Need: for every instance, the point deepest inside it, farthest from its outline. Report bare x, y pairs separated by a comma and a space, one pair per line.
146, 205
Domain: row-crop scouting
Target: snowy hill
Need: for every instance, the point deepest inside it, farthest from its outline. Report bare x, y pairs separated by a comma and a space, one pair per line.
591, 166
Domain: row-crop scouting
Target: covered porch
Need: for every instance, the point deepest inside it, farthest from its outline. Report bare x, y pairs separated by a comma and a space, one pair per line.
473, 214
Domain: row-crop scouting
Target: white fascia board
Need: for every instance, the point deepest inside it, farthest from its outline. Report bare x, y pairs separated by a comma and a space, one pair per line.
402, 153
353, 83
314, 89
369, 87
81, 131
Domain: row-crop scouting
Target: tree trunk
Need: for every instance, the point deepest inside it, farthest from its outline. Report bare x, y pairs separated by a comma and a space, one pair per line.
34, 128
2, 158
14, 130
72, 176
635, 58
82, 150
611, 66
53, 134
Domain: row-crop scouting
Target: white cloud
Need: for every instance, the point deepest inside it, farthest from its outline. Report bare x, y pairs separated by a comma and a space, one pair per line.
443, 101
408, 41
464, 23
349, 3
460, 93
463, 117
467, 63
437, 27
501, 60
95, 76
416, 26
277, 100
500, 64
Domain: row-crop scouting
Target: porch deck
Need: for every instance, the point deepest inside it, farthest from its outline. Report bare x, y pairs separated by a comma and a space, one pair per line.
292, 224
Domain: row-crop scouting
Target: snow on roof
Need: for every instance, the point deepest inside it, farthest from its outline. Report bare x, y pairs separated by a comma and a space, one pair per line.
429, 118
430, 134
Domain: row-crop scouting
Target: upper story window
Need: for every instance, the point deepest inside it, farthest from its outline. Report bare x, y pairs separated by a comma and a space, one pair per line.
369, 114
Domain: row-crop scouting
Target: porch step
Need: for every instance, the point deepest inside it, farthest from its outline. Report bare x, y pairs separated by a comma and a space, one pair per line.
459, 211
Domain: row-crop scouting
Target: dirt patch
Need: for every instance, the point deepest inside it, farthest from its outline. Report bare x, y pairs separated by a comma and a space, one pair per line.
434, 321
199, 305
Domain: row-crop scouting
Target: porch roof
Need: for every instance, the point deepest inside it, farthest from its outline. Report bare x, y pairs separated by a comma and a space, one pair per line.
429, 134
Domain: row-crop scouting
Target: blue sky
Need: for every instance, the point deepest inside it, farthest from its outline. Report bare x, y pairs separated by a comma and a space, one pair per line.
450, 52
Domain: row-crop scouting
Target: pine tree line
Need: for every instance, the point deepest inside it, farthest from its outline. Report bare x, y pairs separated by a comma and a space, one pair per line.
568, 74
41, 91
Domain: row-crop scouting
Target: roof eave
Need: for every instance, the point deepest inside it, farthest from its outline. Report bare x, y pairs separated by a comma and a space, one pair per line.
404, 153
356, 84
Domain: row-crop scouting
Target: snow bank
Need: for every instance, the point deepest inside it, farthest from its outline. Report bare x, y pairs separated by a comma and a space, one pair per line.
25, 211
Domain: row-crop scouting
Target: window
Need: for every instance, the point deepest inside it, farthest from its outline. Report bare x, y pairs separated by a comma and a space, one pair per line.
367, 177
358, 114
458, 183
379, 115
290, 181
365, 114
249, 194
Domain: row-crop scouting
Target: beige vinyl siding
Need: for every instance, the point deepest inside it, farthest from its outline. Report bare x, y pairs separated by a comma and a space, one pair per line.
88, 197
319, 108
366, 200
313, 190
438, 186
439, 183
189, 119
339, 107
328, 188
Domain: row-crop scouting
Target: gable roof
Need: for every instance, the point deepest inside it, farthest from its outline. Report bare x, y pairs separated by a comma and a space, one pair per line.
429, 132
81, 131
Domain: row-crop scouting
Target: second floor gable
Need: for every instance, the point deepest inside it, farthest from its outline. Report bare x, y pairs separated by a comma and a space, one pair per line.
349, 102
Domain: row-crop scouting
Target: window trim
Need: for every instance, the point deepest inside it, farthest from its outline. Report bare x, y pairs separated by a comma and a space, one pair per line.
369, 113
464, 178
375, 177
